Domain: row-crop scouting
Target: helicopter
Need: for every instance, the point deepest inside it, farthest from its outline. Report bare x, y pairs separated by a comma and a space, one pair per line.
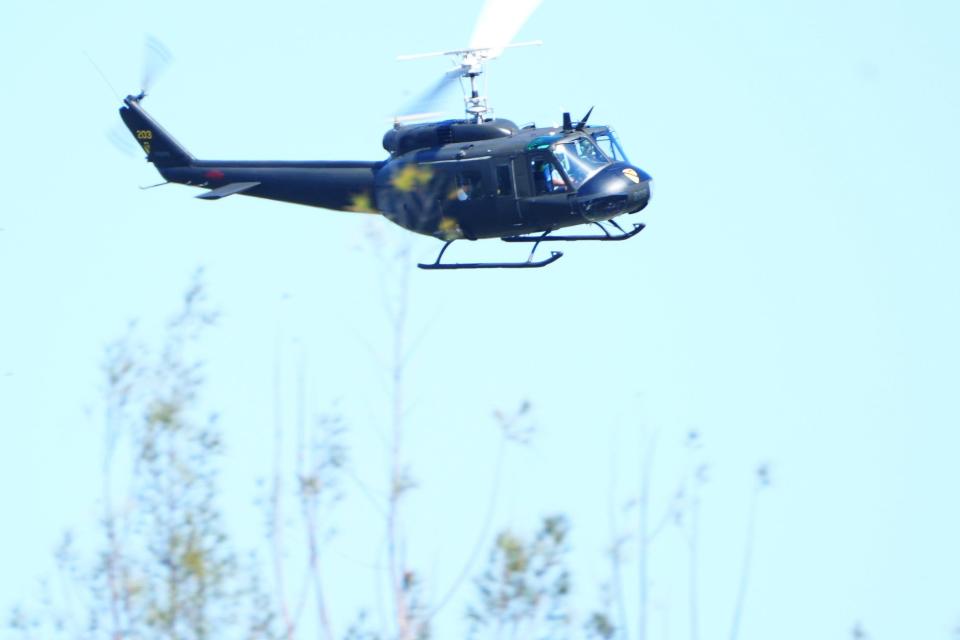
478, 177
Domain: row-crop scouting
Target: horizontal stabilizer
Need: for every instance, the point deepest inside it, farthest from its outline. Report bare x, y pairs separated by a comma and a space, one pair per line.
227, 190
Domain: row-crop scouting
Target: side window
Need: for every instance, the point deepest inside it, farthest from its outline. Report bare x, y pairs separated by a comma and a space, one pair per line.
609, 145
546, 177
504, 180
469, 186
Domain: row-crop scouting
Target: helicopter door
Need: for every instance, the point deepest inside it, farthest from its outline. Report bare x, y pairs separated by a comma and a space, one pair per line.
470, 201
508, 207
549, 192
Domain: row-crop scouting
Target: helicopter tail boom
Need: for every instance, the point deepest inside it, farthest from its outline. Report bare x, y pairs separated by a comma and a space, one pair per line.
161, 148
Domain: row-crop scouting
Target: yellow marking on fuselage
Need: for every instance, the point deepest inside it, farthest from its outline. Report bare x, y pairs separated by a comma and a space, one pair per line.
361, 203
410, 177
449, 228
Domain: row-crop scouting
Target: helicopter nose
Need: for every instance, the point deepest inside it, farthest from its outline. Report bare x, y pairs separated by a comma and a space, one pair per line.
615, 190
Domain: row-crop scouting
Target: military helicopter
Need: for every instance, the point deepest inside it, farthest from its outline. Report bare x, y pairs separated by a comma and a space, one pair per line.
471, 178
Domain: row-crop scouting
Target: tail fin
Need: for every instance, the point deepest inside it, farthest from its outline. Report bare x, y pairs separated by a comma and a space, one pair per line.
162, 150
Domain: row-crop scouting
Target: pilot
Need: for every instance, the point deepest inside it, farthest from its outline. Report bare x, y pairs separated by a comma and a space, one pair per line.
557, 180
554, 179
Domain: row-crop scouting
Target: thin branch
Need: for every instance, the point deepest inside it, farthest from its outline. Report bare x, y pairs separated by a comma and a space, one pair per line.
697, 476
481, 538
616, 558
365, 490
110, 523
668, 513
397, 481
693, 547
309, 498
762, 481
646, 473
276, 497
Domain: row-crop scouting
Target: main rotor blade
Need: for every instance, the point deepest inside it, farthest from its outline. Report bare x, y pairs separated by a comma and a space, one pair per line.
156, 58
426, 103
499, 22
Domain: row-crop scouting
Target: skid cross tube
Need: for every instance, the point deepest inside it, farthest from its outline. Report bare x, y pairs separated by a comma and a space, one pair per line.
528, 264
606, 237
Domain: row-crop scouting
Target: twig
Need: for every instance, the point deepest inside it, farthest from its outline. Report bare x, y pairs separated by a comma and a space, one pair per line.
646, 471
615, 553
762, 481
484, 532
276, 498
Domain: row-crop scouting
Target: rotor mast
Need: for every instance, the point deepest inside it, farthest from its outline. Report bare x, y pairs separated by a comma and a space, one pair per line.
475, 105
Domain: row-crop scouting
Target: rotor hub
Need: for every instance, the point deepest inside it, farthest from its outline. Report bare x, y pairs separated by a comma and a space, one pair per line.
469, 65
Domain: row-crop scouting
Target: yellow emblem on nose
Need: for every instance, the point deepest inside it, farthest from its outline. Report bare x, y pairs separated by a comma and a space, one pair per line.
631, 174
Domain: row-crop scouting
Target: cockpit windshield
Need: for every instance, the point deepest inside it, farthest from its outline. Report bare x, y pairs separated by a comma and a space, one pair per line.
580, 159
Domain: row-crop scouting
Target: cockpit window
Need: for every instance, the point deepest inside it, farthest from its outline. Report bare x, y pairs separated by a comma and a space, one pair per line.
469, 186
610, 145
547, 178
580, 159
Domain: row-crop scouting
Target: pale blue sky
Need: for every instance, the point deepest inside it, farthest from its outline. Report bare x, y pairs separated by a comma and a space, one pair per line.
794, 296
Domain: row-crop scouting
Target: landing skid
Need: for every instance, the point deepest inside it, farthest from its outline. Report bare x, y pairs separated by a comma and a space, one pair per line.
530, 263
606, 237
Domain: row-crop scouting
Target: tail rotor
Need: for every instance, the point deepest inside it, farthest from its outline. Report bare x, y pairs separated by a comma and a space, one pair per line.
156, 59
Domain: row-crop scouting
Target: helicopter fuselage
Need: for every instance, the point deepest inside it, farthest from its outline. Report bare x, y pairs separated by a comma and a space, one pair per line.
451, 179
494, 180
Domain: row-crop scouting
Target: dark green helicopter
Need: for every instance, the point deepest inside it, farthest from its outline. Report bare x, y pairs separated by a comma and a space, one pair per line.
478, 177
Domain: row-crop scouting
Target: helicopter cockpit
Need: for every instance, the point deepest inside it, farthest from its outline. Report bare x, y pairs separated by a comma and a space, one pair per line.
580, 158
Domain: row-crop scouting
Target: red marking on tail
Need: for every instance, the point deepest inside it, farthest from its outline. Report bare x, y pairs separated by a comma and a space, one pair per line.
213, 174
